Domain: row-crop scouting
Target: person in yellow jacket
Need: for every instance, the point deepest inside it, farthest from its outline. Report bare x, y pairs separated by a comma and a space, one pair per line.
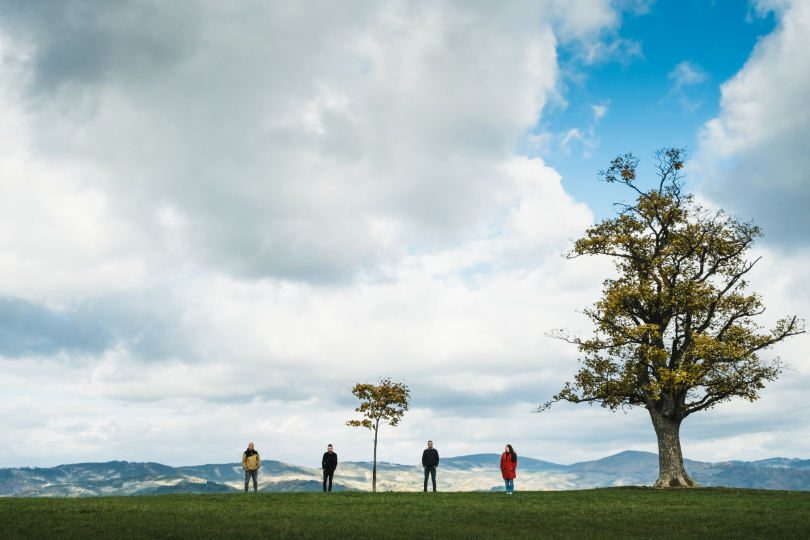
251, 464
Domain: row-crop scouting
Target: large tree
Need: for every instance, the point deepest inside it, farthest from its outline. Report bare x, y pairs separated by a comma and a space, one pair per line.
385, 402
674, 332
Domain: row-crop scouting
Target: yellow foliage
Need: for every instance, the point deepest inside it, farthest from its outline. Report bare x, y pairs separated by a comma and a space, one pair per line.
675, 330
386, 402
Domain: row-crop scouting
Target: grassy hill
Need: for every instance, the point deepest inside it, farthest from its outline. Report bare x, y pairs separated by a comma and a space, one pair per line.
478, 472
613, 513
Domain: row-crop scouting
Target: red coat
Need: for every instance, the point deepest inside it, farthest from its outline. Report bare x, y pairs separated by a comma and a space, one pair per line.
508, 467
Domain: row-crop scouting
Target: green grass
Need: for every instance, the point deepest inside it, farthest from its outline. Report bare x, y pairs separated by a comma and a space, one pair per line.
603, 513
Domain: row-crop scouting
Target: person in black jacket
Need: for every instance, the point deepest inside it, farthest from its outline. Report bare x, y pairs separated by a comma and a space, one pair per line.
328, 464
430, 460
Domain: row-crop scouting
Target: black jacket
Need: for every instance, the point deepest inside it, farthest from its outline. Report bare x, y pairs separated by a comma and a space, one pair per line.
430, 457
329, 461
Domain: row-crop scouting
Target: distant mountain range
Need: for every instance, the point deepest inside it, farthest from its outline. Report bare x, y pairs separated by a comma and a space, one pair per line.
478, 472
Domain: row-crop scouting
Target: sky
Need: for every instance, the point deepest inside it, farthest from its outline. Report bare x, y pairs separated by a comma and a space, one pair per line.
217, 218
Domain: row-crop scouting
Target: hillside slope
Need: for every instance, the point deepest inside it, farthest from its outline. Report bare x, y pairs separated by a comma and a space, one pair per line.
479, 472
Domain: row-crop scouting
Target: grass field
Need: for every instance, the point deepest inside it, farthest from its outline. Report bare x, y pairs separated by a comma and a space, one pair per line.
602, 513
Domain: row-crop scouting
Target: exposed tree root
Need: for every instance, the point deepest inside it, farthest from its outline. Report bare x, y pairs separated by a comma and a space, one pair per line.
681, 480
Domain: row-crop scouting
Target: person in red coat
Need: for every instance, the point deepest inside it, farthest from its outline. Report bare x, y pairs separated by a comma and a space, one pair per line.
508, 466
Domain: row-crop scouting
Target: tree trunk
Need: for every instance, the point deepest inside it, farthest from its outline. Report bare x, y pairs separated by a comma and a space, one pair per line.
374, 468
671, 472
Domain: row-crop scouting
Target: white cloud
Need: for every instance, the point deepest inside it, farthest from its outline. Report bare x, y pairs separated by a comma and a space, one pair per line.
269, 202
755, 155
245, 209
619, 49
752, 161
279, 148
687, 73
59, 238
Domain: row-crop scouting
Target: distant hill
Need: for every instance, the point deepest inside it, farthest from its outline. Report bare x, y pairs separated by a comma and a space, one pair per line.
479, 472
186, 486
297, 486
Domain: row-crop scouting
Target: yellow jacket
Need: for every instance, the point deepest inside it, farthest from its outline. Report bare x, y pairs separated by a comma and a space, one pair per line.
251, 463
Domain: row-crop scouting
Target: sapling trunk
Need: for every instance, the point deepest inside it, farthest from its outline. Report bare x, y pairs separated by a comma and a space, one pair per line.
374, 467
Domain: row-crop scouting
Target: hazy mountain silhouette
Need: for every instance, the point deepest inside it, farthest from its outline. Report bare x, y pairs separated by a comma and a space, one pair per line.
479, 472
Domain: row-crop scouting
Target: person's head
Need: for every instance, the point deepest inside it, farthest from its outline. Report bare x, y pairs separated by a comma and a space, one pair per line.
250, 446
511, 452
329, 448
430, 444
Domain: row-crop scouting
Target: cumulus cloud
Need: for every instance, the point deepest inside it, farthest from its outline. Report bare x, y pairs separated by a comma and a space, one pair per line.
221, 207
754, 156
290, 142
219, 217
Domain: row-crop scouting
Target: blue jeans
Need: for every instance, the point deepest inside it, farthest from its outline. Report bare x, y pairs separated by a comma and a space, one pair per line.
248, 475
510, 485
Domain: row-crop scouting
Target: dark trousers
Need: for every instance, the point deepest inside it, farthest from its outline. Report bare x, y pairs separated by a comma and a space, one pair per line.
432, 472
328, 474
248, 475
